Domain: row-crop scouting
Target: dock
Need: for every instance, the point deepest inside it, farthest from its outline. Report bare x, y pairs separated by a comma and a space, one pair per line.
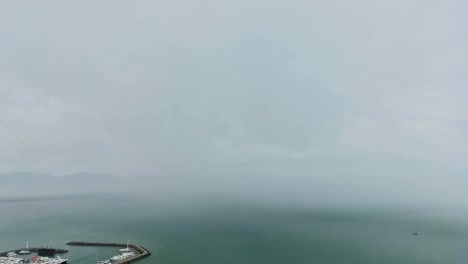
141, 252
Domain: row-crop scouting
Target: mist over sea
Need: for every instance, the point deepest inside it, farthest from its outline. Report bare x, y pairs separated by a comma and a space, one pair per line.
217, 231
236, 132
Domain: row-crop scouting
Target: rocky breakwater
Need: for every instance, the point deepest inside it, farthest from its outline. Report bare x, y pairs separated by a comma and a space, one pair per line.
140, 252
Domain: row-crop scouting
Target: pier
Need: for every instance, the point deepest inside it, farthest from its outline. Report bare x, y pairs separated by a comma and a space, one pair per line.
140, 251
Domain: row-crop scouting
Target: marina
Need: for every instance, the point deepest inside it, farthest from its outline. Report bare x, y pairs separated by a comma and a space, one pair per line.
127, 253
13, 259
43, 251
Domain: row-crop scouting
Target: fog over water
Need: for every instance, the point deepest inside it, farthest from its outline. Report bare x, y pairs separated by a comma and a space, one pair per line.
284, 102
236, 131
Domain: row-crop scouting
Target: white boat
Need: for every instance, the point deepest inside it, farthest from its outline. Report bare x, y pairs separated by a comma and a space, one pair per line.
25, 251
60, 260
101, 261
46, 260
127, 254
116, 258
127, 249
11, 254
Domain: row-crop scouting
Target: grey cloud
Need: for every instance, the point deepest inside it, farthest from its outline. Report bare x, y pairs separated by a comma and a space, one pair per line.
314, 92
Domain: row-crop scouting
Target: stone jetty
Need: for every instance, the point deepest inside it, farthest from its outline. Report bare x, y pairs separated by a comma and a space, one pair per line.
140, 251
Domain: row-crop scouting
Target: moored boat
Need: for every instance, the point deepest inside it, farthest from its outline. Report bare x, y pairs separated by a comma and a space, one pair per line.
25, 251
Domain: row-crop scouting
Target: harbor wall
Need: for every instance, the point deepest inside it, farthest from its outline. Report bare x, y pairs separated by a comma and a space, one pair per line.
141, 251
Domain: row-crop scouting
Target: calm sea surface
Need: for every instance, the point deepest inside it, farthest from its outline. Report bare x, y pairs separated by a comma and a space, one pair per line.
230, 233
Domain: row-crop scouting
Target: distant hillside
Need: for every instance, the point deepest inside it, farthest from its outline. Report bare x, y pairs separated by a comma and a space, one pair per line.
27, 178
15, 178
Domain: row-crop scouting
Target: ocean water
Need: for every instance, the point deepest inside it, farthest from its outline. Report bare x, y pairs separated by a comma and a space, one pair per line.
233, 232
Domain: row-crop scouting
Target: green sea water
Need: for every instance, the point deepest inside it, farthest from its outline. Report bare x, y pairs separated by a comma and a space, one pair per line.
233, 232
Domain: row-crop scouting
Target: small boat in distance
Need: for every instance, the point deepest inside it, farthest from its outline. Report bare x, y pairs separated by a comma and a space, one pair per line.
47, 260
11, 254
25, 251
101, 261
60, 260
116, 258
125, 250
127, 254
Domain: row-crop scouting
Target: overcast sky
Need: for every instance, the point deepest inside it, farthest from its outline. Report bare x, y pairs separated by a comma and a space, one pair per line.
324, 91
